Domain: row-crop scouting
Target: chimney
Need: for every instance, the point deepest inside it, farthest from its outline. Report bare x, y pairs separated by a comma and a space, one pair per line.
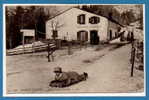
110, 15
80, 6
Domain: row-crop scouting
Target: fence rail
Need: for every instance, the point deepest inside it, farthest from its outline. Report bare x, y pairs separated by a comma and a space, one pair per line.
32, 49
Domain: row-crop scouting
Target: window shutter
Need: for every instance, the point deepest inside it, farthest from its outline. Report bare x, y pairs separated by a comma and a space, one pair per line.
86, 36
94, 20
78, 36
81, 19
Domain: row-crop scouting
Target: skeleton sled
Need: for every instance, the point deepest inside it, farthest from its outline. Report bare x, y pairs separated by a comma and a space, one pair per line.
70, 81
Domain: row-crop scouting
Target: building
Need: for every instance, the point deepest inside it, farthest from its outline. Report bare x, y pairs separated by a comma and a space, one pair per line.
28, 36
77, 24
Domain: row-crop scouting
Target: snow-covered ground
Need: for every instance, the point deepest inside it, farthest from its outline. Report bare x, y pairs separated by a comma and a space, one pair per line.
108, 70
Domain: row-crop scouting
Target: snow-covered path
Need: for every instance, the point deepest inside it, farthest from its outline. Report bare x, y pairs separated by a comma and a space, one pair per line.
112, 74
108, 70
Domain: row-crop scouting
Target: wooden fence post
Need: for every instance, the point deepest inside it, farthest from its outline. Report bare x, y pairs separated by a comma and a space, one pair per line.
48, 49
80, 44
132, 59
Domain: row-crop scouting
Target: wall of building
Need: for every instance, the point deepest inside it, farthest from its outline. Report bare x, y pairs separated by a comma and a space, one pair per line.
70, 27
114, 28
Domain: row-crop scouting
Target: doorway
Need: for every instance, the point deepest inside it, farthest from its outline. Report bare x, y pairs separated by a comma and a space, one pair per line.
110, 34
94, 38
82, 36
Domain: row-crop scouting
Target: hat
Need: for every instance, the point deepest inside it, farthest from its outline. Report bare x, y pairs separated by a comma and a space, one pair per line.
58, 69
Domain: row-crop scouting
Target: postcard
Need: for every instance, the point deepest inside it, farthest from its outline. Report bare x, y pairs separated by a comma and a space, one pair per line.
76, 49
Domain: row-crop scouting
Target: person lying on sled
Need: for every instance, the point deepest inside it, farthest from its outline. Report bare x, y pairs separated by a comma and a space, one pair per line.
63, 79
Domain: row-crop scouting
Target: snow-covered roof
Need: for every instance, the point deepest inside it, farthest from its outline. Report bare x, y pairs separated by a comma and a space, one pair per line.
28, 32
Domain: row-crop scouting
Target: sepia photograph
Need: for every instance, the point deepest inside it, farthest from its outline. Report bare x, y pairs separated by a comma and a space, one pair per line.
52, 49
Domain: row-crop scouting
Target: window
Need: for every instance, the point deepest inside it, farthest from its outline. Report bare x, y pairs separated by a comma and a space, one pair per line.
94, 20
82, 36
81, 19
54, 34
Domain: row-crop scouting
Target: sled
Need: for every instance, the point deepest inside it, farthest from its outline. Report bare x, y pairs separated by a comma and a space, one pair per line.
61, 84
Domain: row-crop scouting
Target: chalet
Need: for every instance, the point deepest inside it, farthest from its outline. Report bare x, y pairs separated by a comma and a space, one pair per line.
77, 24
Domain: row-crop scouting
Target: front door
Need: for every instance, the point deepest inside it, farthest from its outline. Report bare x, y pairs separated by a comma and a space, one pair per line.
110, 34
94, 38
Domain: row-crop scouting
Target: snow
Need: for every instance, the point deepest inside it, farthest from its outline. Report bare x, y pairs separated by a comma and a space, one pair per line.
118, 41
108, 69
133, 27
37, 43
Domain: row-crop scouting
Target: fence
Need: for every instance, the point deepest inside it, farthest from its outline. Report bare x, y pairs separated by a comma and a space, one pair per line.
31, 49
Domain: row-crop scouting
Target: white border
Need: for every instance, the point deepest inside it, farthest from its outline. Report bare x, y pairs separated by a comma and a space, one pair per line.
60, 94
144, 33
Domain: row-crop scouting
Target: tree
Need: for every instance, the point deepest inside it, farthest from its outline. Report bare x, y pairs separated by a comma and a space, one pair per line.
13, 26
55, 25
9, 35
140, 15
24, 17
40, 18
128, 17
